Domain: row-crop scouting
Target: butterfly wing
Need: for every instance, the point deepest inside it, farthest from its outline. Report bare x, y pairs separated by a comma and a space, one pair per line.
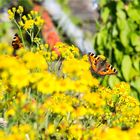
108, 70
93, 60
101, 66
16, 43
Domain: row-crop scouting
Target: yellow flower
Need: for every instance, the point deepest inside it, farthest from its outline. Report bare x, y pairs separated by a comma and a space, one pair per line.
54, 56
47, 84
25, 130
14, 9
94, 99
76, 131
66, 51
28, 24
5, 49
122, 88
34, 13
35, 77
50, 129
24, 18
20, 10
47, 56
20, 76
38, 21
11, 15
46, 46
9, 113
35, 61
21, 23
29, 16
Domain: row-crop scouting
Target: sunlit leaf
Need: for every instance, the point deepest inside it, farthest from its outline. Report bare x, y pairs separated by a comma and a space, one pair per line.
102, 2
114, 31
136, 83
124, 38
133, 13
133, 73
121, 14
135, 39
118, 56
113, 80
126, 67
137, 48
105, 14
120, 5
136, 63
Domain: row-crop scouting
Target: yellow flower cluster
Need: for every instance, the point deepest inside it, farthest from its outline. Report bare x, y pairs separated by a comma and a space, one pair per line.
27, 22
30, 20
20, 132
67, 51
41, 100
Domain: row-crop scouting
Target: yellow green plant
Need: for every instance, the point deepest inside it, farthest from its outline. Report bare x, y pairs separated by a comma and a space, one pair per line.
39, 103
118, 38
28, 23
41, 100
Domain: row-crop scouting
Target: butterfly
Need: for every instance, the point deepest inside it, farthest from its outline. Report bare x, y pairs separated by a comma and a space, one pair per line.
100, 65
16, 43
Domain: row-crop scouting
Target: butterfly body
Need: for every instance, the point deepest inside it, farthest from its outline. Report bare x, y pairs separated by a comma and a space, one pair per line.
100, 65
16, 43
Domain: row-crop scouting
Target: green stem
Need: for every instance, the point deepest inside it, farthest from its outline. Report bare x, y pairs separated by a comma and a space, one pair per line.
20, 32
37, 32
32, 36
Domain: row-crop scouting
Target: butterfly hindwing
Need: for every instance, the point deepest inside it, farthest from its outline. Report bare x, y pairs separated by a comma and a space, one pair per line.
100, 65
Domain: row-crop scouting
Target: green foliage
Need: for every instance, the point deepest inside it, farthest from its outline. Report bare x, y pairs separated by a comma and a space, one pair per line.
119, 39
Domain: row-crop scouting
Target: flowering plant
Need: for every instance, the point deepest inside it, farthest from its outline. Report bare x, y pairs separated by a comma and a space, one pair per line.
41, 100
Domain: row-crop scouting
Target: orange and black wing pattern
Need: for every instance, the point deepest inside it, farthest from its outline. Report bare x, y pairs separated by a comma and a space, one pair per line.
16, 43
101, 66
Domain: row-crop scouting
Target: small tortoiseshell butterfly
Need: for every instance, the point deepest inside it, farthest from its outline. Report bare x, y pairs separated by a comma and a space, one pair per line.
101, 66
16, 43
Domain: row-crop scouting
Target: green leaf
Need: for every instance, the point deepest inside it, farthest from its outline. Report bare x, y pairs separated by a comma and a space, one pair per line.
126, 67
99, 39
121, 23
137, 48
124, 34
132, 25
134, 94
113, 80
129, 50
121, 14
135, 39
136, 63
133, 13
124, 38
102, 2
136, 83
120, 5
133, 73
118, 55
105, 14
114, 31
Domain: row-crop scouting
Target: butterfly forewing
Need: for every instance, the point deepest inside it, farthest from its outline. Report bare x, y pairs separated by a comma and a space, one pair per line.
16, 43
93, 61
101, 66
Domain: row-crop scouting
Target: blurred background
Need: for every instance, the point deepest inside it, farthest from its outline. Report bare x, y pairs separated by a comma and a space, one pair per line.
107, 27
